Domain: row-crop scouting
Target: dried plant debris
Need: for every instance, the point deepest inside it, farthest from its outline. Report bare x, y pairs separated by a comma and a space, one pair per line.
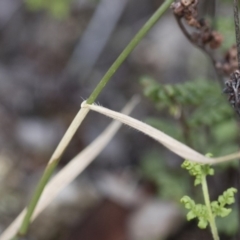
233, 90
233, 83
203, 36
207, 39
230, 62
187, 9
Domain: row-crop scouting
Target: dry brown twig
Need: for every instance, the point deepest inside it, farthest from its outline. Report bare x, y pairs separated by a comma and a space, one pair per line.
202, 36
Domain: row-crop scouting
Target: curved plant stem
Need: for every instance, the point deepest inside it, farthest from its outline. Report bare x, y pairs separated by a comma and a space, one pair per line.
202, 48
82, 114
139, 36
209, 209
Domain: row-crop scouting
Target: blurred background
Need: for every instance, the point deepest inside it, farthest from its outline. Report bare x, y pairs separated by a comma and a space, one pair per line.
52, 55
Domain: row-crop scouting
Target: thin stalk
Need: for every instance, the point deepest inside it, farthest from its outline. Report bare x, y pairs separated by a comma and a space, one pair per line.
237, 33
209, 209
78, 120
138, 37
49, 171
185, 128
237, 30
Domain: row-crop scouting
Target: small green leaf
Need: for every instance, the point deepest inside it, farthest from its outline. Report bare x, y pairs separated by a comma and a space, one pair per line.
191, 215
188, 202
224, 212
215, 205
227, 197
211, 172
221, 200
202, 223
197, 181
163, 97
152, 92
170, 90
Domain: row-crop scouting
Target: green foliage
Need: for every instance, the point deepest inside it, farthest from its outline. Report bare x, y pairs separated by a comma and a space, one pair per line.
166, 95
168, 126
196, 211
201, 211
223, 223
164, 177
227, 198
218, 208
204, 109
198, 170
203, 98
57, 8
210, 124
197, 113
